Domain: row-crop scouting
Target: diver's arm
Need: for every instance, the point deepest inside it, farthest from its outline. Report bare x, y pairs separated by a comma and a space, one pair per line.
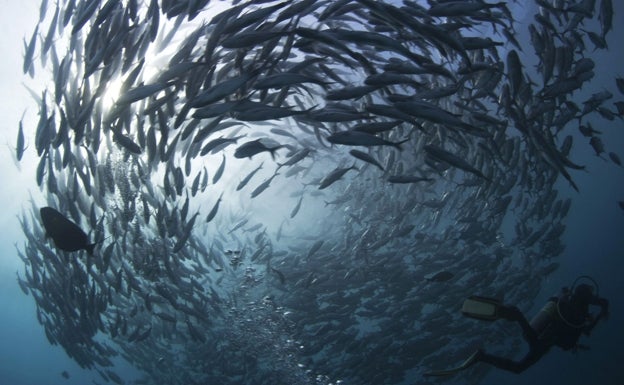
604, 313
604, 307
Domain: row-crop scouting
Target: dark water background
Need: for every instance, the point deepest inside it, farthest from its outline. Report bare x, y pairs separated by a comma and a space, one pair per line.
594, 240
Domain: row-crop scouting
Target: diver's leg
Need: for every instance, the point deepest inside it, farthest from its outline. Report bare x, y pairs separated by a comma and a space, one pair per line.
512, 313
510, 365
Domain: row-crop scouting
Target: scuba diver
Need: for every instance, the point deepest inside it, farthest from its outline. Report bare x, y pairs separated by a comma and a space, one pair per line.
560, 322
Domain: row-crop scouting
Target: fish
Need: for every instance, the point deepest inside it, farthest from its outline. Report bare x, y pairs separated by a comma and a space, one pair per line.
165, 317
360, 138
141, 92
249, 149
619, 82
66, 235
19, 147
597, 144
403, 179
366, 158
440, 276
30, 51
285, 79
186, 233
296, 157
280, 275
22, 284
144, 335
112, 375
218, 144
376, 127
247, 178
351, 92
588, 130
432, 113
219, 172
252, 17
389, 78
334, 176
295, 209
262, 113
315, 248
460, 8
84, 12
452, 159
605, 16
615, 158
48, 40
221, 90
239, 225
247, 39
263, 186
214, 110
127, 143
215, 208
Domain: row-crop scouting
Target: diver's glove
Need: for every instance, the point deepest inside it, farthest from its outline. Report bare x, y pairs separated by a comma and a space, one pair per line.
604, 304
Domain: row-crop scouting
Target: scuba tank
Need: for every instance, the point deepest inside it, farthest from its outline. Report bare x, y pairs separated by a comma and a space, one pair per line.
544, 318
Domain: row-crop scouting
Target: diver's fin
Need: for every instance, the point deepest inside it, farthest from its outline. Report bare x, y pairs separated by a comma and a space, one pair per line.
482, 308
473, 359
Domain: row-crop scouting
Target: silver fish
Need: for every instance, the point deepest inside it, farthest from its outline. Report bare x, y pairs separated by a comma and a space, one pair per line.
334, 176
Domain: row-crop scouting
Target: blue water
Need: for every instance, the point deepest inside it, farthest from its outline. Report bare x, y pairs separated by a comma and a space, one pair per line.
594, 241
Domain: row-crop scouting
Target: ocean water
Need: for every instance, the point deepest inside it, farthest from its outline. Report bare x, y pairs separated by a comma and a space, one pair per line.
594, 242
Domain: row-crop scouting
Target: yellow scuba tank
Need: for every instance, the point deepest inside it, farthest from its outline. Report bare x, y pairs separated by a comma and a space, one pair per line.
542, 320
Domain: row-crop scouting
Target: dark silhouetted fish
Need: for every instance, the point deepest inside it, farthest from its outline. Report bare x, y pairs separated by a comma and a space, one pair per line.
19, 149
366, 158
249, 149
66, 234
360, 138
247, 178
403, 179
335, 175
440, 276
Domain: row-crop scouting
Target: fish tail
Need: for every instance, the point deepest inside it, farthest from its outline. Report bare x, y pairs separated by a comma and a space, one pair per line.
272, 151
398, 144
90, 247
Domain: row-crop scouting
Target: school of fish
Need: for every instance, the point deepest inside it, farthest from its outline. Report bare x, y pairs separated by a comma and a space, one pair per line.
300, 191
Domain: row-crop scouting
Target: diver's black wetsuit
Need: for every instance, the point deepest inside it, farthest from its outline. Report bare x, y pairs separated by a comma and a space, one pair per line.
560, 323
